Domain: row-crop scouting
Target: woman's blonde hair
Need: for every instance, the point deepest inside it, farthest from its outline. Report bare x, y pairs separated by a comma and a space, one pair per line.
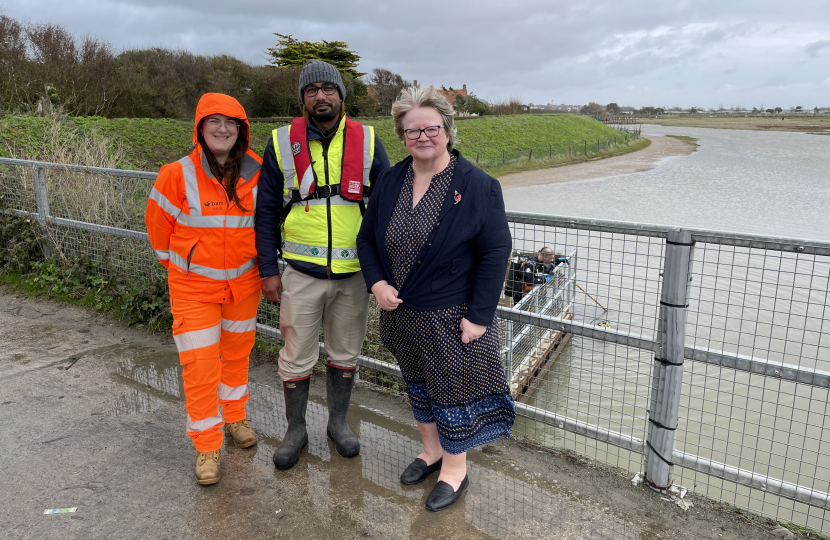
414, 97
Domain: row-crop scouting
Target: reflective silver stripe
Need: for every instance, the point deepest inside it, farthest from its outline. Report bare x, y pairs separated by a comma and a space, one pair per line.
215, 273
196, 339
202, 221
249, 168
206, 166
164, 203
232, 393
286, 156
191, 186
239, 327
212, 273
254, 191
307, 181
202, 425
367, 154
236, 272
206, 271
162, 255
322, 252
217, 222
239, 222
177, 259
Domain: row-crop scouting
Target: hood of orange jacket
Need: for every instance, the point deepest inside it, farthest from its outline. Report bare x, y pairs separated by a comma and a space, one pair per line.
211, 103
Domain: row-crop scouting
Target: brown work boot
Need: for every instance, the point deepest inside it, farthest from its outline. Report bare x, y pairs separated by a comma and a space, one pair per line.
207, 468
242, 433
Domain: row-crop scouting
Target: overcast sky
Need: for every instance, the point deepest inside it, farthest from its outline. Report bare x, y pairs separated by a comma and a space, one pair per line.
661, 53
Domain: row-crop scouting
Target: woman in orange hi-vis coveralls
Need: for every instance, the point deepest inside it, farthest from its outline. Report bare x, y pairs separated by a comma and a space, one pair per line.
200, 219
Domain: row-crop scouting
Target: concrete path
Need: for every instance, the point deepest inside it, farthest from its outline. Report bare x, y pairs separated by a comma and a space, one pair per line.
93, 419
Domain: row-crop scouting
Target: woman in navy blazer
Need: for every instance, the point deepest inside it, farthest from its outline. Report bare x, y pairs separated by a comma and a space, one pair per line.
433, 248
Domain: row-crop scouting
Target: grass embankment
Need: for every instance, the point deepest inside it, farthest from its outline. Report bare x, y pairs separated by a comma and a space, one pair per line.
502, 143
689, 140
819, 124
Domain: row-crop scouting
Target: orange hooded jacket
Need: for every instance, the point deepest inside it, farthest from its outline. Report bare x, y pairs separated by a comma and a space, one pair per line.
205, 241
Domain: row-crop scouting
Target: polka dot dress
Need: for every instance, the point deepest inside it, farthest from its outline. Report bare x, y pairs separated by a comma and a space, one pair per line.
459, 387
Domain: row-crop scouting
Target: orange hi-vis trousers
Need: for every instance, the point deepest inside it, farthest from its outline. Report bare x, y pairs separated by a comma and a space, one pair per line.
214, 343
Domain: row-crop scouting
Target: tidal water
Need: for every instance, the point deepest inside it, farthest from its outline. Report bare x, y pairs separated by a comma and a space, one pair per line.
770, 183
767, 305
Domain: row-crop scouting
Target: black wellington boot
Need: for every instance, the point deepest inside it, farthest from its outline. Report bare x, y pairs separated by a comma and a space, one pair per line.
339, 391
296, 436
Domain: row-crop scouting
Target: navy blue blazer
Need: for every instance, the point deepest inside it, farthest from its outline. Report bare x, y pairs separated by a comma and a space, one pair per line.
465, 256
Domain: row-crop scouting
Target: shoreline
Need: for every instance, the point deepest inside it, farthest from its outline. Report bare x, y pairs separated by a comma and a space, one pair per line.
819, 124
644, 160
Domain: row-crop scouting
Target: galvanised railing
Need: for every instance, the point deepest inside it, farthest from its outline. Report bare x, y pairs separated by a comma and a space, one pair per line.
698, 358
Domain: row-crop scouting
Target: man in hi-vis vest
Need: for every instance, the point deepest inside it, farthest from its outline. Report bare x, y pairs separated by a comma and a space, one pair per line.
317, 173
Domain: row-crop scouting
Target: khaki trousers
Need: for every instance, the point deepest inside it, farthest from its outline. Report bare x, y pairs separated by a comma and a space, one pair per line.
340, 305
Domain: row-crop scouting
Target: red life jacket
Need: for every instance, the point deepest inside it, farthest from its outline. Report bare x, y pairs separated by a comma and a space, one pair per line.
351, 175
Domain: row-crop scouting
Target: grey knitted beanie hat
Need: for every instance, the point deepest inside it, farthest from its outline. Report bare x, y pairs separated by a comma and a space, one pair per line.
317, 71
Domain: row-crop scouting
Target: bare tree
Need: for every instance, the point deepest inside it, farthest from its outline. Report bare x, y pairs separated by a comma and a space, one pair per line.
513, 105
384, 88
12, 62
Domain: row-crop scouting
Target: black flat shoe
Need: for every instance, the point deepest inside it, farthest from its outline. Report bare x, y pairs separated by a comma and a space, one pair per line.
442, 495
418, 471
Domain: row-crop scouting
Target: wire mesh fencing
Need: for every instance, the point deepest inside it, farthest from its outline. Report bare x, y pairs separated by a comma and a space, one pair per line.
585, 349
761, 408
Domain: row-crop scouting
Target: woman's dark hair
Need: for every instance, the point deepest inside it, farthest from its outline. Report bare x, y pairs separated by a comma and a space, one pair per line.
228, 174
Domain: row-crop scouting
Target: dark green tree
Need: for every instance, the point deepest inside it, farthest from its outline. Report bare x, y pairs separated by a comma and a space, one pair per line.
471, 105
356, 92
290, 52
612, 108
593, 109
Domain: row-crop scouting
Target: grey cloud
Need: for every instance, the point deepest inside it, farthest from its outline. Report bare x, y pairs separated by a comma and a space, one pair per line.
534, 49
814, 48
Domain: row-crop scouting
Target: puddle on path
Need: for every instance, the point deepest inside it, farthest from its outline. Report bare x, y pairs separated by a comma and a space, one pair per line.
153, 380
503, 501
364, 494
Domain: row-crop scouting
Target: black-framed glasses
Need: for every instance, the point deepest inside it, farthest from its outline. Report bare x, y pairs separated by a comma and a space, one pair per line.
230, 125
415, 134
311, 91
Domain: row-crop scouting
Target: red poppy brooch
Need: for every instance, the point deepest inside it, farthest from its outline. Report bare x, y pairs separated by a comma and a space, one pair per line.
457, 198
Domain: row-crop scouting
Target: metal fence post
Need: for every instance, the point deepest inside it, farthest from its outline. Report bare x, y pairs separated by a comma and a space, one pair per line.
508, 361
667, 379
39, 175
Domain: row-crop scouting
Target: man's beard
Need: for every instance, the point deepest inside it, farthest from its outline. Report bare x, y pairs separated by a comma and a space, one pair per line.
324, 116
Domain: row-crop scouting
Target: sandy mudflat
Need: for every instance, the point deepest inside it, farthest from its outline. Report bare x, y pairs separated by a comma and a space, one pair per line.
640, 161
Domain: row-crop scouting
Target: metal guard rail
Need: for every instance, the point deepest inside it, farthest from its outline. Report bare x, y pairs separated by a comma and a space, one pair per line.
798, 374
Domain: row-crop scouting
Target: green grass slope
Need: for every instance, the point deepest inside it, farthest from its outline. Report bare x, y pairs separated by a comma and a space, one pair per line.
149, 143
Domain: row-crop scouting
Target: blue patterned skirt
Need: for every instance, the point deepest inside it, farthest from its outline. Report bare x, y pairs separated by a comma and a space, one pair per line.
459, 387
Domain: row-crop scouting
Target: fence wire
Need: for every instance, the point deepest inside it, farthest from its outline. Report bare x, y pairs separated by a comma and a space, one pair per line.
772, 307
579, 350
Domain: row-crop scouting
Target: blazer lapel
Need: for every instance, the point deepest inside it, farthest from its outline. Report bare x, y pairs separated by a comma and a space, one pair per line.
457, 185
385, 211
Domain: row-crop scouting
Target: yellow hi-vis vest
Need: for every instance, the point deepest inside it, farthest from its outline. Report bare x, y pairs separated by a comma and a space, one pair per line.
322, 231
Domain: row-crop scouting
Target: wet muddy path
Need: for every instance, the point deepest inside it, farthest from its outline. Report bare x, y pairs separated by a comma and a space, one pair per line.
93, 419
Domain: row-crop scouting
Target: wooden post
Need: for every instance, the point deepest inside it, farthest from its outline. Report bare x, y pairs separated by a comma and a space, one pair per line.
597, 145
502, 156
550, 152
530, 155
586, 148
615, 140
570, 148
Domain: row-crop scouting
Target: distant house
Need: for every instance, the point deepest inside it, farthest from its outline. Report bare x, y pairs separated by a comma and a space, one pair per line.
452, 94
